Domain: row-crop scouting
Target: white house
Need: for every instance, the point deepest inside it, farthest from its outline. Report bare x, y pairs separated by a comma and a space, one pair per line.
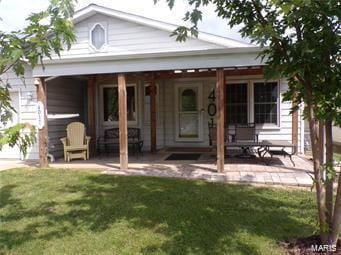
111, 42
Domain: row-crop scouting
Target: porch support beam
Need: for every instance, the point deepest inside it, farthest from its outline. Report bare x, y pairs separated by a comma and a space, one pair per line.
294, 131
91, 88
208, 73
42, 125
147, 76
220, 84
152, 91
123, 125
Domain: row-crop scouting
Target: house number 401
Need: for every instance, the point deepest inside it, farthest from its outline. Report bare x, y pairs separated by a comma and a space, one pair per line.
212, 108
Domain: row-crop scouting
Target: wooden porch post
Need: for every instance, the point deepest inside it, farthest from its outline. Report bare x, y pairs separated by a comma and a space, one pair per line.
220, 84
152, 92
294, 131
91, 87
123, 125
42, 122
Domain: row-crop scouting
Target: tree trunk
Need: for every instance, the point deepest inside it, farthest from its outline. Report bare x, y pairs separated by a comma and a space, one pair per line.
329, 176
318, 173
337, 214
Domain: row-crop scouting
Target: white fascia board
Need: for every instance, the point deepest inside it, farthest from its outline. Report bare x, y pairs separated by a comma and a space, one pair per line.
144, 55
93, 9
102, 66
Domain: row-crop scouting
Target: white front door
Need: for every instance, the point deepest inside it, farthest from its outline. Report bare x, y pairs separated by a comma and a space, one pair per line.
8, 152
188, 112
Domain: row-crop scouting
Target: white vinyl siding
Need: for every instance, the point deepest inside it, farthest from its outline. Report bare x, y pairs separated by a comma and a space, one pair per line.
65, 97
125, 37
26, 92
7, 151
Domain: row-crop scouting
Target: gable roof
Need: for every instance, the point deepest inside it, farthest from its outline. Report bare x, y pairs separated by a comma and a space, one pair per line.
126, 54
93, 9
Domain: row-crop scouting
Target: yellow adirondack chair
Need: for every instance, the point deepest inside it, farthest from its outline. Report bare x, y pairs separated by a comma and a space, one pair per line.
76, 144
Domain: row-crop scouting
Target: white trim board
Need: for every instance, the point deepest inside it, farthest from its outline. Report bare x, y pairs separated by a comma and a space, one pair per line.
147, 63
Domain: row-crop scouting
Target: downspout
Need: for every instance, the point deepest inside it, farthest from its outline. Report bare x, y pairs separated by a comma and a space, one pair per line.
302, 128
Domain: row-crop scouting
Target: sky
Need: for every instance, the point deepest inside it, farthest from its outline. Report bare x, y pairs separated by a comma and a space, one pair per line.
14, 12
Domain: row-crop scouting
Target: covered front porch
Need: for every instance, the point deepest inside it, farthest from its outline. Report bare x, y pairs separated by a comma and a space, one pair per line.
169, 108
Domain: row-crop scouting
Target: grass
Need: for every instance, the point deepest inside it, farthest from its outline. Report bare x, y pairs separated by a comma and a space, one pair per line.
337, 152
73, 212
337, 157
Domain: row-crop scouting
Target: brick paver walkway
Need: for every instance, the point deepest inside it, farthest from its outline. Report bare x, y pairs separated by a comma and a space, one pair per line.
267, 178
279, 171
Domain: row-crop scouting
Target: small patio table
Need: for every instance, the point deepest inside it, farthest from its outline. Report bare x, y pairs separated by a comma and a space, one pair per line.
269, 144
246, 146
264, 147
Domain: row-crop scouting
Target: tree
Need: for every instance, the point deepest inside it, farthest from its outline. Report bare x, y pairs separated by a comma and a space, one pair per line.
302, 39
47, 32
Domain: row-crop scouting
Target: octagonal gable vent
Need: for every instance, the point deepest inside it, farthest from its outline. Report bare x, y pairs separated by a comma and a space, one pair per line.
98, 36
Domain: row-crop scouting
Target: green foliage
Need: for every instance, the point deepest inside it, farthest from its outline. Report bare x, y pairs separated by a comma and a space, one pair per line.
330, 171
6, 108
22, 135
49, 31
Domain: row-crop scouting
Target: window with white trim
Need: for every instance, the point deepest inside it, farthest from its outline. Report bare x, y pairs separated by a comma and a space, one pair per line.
110, 103
265, 102
256, 102
98, 36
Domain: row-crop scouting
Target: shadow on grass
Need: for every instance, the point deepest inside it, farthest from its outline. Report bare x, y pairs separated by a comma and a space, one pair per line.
197, 217
6, 197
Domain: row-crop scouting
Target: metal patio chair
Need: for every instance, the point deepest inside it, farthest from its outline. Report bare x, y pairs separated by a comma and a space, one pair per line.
245, 133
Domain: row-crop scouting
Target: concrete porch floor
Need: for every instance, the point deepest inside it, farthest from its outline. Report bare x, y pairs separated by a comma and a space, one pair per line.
278, 171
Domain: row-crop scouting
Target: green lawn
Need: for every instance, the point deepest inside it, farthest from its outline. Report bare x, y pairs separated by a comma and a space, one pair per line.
337, 152
337, 156
73, 212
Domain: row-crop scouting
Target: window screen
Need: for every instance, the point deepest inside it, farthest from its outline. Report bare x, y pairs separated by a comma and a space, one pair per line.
236, 103
110, 103
265, 102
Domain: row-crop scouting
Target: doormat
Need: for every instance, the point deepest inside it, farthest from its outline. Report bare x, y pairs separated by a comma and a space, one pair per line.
189, 149
184, 156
